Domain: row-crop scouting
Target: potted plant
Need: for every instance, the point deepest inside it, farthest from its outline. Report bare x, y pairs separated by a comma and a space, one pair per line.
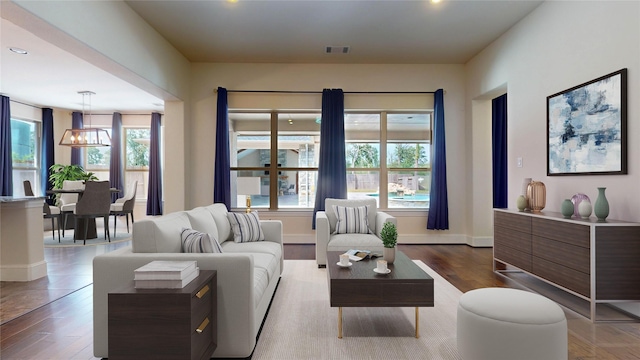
389, 236
59, 173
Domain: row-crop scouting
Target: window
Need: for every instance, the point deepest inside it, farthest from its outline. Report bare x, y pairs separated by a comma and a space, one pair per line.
99, 157
25, 147
408, 160
387, 155
136, 143
294, 170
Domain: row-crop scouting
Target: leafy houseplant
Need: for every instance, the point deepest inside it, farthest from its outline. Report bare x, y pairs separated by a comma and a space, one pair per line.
389, 236
59, 173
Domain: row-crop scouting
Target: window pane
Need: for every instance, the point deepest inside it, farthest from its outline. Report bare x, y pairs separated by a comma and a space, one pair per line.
363, 184
20, 175
408, 140
298, 140
98, 158
409, 189
23, 144
297, 189
250, 139
242, 188
362, 133
137, 148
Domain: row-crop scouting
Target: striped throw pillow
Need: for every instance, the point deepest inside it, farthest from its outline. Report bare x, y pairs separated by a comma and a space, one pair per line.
194, 241
245, 227
351, 220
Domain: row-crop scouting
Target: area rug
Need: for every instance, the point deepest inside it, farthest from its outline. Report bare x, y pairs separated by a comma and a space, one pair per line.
302, 325
67, 239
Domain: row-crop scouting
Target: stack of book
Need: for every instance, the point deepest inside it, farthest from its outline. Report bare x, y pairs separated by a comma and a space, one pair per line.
161, 274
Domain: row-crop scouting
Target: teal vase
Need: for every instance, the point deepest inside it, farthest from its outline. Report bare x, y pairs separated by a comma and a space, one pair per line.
567, 209
601, 207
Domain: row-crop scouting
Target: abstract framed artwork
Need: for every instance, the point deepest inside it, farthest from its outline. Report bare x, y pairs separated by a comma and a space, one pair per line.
587, 128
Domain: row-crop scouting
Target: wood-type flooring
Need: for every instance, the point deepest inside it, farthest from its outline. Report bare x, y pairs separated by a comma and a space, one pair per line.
63, 329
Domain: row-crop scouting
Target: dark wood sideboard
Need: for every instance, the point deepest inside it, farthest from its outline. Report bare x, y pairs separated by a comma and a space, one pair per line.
598, 262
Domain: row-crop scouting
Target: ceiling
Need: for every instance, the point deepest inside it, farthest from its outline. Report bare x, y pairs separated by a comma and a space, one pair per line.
270, 31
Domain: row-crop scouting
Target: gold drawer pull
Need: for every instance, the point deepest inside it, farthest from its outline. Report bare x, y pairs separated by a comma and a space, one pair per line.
202, 291
202, 326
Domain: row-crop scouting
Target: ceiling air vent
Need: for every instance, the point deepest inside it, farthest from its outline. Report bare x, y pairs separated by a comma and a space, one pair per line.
336, 49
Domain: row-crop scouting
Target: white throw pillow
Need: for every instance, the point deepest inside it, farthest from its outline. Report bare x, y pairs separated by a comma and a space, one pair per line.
194, 241
245, 227
351, 220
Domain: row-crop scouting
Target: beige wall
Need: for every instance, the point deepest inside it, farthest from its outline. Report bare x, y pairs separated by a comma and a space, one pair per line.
558, 46
315, 77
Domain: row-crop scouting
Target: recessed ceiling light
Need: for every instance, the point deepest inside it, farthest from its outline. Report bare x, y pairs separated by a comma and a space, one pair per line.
18, 50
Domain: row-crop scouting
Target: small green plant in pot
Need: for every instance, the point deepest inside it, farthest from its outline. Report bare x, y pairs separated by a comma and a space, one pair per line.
389, 236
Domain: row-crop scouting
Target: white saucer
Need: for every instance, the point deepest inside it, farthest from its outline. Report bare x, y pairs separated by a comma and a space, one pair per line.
339, 264
381, 272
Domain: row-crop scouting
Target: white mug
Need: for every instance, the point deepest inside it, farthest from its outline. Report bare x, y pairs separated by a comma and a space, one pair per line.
382, 265
344, 259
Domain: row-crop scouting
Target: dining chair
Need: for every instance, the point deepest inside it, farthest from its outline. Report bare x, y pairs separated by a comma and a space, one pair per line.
48, 211
124, 205
94, 203
68, 202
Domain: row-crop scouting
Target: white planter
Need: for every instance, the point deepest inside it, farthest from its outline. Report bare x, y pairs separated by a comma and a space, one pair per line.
389, 255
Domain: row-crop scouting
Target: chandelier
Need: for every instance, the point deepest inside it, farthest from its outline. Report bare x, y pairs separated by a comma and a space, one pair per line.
87, 136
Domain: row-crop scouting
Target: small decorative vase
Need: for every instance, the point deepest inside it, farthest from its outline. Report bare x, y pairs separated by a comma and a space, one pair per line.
521, 203
601, 207
576, 200
584, 209
567, 208
525, 186
537, 194
389, 255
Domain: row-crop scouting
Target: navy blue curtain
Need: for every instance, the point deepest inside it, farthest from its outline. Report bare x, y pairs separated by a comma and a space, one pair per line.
332, 163
6, 162
222, 166
47, 150
116, 169
76, 153
154, 191
439, 203
499, 151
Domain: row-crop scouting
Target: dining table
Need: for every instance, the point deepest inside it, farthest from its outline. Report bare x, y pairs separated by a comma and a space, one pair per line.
92, 233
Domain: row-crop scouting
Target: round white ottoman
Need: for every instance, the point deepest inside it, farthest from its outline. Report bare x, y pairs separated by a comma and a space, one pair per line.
510, 324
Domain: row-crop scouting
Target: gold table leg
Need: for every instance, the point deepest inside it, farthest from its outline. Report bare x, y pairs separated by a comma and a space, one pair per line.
417, 323
340, 322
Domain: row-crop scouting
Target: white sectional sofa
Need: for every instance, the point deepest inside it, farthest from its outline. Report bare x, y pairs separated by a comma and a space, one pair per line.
248, 273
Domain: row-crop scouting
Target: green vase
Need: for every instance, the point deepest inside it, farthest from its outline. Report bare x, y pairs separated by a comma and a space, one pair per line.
567, 208
601, 207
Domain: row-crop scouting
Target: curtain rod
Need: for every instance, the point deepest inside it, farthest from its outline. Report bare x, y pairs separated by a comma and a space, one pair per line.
320, 92
161, 114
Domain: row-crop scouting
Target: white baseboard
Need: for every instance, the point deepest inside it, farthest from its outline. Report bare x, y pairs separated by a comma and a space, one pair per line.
23, 272
299, 238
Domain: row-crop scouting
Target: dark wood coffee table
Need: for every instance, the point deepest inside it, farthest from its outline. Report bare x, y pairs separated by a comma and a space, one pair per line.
359, 286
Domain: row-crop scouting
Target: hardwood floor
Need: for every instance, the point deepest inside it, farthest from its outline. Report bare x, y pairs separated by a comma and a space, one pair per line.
63, 329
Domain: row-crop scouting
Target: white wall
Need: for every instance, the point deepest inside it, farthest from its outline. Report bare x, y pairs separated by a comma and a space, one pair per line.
558, 46
315, 77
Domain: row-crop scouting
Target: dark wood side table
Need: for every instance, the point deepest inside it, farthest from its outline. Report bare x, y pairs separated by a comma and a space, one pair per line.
164, 323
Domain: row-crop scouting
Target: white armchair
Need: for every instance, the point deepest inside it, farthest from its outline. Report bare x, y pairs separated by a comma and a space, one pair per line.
327, 240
